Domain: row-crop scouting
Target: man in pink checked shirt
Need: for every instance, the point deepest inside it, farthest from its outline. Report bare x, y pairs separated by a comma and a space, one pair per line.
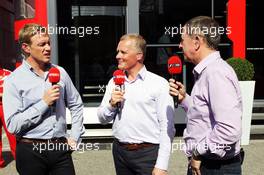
214, 108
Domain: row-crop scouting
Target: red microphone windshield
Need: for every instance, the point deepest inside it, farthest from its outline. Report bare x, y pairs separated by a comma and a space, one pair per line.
174, 65
119, 77
54, 75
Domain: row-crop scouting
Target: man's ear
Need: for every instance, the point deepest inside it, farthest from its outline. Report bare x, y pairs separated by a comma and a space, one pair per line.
140, 57
197, 43
25, 48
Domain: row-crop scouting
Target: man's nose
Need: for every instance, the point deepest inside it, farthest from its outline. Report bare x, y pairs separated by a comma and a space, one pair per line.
180, 45
47, 47
118, 55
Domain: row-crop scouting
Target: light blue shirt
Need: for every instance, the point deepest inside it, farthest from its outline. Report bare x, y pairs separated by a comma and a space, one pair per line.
214, 110
26, 113
147, 114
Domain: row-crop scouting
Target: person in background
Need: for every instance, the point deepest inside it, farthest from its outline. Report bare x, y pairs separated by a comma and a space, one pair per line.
35, 109
11, 138
214, 108
143, 127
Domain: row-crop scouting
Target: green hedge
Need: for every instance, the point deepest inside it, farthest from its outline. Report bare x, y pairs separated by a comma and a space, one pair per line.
243, 68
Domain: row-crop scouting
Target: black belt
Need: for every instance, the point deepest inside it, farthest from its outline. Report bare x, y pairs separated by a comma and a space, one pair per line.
52, 140
234, 159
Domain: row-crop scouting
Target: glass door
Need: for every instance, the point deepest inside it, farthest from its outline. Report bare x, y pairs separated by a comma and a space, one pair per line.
88, 49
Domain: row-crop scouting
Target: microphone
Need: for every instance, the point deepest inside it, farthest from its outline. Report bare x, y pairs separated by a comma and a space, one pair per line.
119, 79
174, 68
54, 78
54, 75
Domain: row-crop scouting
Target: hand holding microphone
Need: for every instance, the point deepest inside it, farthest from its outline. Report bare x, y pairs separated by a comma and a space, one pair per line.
118, 92
177, 89
51, 95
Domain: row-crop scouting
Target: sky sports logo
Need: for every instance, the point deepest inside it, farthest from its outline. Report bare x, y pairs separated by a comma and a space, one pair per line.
118, 76
54, 74
174, 65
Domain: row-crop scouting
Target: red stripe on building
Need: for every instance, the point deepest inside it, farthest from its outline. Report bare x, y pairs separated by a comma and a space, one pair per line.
236, 19
40, 17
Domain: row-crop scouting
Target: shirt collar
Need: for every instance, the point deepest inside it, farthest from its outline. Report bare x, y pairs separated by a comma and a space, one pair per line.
205, 62
29, 67
141, 74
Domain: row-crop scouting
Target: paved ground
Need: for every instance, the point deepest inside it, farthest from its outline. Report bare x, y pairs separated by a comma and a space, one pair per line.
94, 162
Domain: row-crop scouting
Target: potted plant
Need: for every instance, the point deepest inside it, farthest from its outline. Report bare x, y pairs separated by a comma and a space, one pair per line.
245, 73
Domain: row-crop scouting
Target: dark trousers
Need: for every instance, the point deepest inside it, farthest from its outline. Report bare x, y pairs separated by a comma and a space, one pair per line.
136, 162
216, 167
31, 161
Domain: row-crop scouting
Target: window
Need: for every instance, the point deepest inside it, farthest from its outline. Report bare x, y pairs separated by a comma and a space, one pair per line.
255, 44
24, 9
89, 57
160, 23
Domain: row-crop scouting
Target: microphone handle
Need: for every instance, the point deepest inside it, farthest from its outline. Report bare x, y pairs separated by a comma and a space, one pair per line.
175, 98
53, 106
118, 104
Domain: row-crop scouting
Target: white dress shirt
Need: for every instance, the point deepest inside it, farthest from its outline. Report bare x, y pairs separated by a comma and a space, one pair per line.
146, 115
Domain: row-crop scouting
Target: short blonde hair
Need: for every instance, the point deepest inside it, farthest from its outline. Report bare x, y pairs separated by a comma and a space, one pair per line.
28, 31
138, 40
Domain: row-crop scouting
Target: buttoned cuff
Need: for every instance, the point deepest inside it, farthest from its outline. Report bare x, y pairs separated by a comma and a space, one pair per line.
162, 162
76, 137
186, 102
77, 133
202, 148
110, 108
205, 148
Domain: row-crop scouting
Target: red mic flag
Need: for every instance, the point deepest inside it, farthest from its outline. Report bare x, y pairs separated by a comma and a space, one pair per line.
54, 75
174, 65
119, 77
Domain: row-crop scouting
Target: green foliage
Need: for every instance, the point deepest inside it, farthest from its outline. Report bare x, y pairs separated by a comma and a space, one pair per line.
243, 68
